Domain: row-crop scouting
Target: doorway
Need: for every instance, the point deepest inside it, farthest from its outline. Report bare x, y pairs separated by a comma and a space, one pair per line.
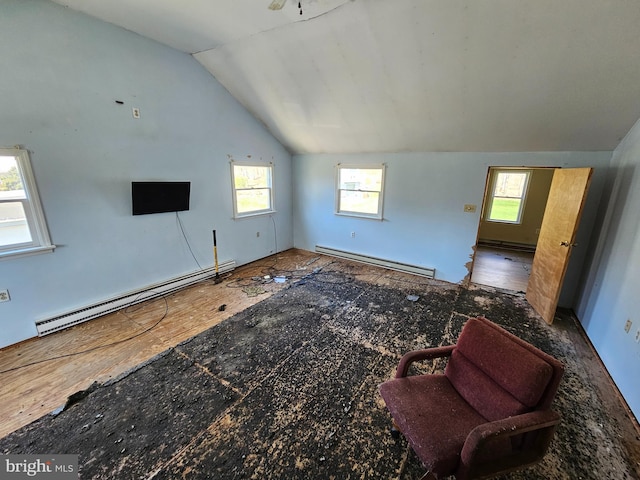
512, 212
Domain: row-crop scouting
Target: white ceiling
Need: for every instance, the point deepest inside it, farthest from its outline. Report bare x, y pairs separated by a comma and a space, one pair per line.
412, 75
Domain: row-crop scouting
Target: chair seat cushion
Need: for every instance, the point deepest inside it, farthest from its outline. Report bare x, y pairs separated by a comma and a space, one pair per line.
433, 417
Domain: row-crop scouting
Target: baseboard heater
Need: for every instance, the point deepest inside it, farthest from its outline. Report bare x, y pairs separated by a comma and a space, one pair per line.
75, 317
378, 262
507, 245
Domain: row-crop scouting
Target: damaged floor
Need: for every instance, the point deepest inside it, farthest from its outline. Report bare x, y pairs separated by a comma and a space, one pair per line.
287, 387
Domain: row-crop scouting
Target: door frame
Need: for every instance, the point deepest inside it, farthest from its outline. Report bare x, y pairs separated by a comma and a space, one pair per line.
487, 186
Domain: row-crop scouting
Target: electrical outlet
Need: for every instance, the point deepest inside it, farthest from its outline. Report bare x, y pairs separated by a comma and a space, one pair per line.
136, 112
353, 234
4, 296
469, 208
627, 326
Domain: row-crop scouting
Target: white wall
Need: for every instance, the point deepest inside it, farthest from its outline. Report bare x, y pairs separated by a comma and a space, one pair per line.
609, 295
424, 223
62, 74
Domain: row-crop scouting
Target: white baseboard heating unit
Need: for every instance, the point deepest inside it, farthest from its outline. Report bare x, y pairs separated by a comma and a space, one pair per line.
75, 317
378, 262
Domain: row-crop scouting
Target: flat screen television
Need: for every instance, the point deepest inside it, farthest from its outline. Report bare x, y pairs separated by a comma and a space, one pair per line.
159, 197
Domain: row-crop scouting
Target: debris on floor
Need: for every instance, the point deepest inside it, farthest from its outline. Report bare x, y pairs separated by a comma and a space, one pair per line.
254, 291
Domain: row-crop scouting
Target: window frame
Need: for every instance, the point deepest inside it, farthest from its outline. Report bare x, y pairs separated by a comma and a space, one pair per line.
380, 210
270, 187
495, 172
34, 214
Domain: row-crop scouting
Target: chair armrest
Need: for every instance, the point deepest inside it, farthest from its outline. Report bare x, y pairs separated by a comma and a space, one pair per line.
417, 355
542, 422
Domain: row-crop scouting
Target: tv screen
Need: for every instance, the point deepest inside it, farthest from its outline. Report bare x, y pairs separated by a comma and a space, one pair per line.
159, 197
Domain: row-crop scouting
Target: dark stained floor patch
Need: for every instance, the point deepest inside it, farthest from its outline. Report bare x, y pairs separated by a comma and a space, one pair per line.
131, 424
288, 389
305, 418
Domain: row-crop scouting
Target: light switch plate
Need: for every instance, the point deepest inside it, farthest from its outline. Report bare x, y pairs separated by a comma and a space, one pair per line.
4, 296
469, 208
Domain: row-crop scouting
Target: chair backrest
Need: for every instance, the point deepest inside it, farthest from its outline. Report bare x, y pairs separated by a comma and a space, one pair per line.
499, 374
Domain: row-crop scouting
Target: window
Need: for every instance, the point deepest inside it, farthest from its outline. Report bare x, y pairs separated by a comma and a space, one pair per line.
508, 193
252, 189
360, 190
22, 226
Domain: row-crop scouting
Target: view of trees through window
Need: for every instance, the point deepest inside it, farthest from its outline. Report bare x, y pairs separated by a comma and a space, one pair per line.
360, 190
13, 221
252, 188
508, 196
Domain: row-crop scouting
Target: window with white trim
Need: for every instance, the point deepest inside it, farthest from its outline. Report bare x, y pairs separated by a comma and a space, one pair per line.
359, 190
23, 229
252, 186
508, 194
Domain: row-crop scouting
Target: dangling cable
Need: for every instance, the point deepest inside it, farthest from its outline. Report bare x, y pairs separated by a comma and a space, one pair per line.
187, 240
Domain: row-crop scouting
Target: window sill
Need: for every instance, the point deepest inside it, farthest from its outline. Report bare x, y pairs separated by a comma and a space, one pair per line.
250, 215
504, 222
25, 252
359, 215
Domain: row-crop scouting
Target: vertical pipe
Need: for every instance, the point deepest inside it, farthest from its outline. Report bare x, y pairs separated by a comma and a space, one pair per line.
215, 253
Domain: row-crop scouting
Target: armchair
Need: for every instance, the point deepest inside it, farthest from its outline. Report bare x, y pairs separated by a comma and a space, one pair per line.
488, 413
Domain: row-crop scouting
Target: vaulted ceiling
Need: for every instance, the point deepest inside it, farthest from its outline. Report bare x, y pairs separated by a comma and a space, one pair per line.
412, 75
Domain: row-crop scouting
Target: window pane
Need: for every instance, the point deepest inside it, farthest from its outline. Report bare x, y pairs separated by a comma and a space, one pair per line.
252, 189
509, 184
359, 190
13, 224
11, 187
505, 209
22, 224
253, 200
361, 179
508, 196
247, 176
361, 202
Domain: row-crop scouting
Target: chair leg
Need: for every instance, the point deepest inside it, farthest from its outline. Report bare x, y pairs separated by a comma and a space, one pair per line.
394, 430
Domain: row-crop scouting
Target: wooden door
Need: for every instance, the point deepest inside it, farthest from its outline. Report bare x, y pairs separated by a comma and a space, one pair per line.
557, 238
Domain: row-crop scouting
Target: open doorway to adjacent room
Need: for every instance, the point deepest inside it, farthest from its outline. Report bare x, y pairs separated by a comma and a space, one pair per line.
512, 212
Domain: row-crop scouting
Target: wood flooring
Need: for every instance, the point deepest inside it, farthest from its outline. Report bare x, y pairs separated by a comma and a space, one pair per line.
501, 268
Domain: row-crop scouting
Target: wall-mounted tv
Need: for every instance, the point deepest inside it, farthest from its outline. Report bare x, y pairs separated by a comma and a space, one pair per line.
159, 197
